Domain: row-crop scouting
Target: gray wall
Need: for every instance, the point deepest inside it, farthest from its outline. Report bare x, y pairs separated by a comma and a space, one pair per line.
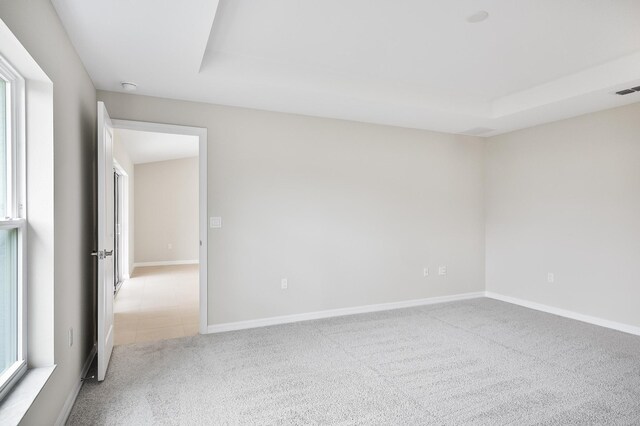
36, 25
167, 211
350, 213
565, 198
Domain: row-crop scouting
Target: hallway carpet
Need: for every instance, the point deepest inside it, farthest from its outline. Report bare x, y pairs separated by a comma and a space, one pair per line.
471, 362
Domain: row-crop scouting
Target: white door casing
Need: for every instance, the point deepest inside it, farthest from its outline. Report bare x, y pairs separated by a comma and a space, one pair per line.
201, 133
104, 254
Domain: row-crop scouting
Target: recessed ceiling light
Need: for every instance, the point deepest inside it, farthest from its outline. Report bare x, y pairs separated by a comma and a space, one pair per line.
128, 86
479, 16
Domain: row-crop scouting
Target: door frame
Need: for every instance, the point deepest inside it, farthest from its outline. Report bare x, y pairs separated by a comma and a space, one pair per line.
201, 133
124, 231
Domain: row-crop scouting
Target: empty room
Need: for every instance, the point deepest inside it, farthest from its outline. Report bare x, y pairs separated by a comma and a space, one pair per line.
242, 212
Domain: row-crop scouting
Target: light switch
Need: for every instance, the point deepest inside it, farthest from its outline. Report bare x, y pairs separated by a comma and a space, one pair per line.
215, 222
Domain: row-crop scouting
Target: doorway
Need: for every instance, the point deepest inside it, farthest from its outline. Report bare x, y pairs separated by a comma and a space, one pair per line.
161, 281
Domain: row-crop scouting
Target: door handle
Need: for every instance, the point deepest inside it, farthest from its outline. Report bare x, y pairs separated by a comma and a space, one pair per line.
108, 253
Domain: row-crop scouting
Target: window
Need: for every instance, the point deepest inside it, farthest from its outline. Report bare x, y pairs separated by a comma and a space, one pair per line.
12, 229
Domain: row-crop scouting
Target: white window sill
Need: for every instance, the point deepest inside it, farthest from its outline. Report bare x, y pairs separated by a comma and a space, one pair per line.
15, 405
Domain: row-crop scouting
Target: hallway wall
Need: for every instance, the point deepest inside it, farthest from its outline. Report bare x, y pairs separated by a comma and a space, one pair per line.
166, 216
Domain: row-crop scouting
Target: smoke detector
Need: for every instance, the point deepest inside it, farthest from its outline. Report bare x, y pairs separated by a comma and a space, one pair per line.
128, 86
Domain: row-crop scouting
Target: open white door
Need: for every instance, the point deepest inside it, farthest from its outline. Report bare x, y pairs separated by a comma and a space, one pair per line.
104, 253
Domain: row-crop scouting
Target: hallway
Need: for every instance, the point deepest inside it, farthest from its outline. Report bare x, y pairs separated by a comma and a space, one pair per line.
157, 303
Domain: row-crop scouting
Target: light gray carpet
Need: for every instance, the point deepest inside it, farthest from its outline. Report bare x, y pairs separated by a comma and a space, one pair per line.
474, 362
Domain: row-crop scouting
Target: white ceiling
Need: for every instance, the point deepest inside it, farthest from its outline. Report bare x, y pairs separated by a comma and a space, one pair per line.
149, 147
411, 63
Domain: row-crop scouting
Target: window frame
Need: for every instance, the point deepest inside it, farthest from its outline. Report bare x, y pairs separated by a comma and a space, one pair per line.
16, 215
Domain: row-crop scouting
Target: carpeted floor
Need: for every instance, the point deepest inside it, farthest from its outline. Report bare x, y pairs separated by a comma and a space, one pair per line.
473, 362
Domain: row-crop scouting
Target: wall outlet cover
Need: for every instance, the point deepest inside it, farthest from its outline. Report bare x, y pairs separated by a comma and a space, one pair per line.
215, 222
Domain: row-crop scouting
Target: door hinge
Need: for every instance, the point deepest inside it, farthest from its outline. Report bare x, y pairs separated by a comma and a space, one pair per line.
99, 254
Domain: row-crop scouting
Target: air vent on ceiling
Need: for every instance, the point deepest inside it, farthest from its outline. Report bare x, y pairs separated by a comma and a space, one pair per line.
477, 131
628, 91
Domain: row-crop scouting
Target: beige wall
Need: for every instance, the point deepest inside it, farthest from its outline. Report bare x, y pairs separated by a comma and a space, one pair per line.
565, 198
121, 155
167, 211
36, 25
350, 213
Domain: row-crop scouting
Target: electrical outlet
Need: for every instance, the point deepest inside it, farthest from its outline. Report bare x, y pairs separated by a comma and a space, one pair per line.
425, 272
169, 246
215, 222
70, 336
551, 278
284, 284
442, 270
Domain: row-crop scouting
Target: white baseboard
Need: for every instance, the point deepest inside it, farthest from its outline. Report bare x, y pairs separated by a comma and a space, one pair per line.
71, 399
167, 263
565, 313
286, 319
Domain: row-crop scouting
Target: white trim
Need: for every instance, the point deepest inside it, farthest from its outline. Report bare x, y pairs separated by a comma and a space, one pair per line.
12, 223
16, 213
166, 263
124, 231
16, 404
203, 199
626, 328
71, 399
201, 132
286, 319
15, 133
11, 377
